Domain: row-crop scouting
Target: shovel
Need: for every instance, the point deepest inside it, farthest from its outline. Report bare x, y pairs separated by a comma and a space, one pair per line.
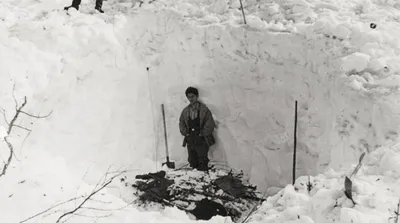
169, 164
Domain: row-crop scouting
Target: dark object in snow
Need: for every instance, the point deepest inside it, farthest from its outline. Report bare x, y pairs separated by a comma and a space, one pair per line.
206, 209
348, 189
157, 175
186, 190
231, 185
372, 25
156, 190
309, 185
75, 4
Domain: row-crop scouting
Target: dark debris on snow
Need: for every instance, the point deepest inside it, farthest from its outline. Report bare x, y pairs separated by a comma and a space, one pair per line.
204, 195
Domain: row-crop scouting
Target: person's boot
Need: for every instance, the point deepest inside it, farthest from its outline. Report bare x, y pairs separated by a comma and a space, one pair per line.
99, 4
75, 4
99, 10
66, 8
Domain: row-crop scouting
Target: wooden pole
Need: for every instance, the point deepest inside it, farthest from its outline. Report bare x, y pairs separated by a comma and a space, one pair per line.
244, 16
294, 143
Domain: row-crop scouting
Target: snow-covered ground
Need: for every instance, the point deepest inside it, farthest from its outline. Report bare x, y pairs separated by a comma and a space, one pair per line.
90, 71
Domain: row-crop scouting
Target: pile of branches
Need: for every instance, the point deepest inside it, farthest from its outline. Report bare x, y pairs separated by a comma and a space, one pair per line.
202, 194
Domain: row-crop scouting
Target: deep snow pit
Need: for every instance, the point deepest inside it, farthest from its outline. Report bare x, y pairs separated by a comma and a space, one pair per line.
89, 70
107, 104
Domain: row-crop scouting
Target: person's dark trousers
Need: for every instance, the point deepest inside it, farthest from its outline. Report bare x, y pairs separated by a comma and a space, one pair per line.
76, 3
197, 146
198, 153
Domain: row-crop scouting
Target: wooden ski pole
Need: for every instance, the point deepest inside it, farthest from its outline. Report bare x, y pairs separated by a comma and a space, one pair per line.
294, 143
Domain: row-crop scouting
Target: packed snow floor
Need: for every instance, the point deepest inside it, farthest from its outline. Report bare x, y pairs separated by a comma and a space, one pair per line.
93, 107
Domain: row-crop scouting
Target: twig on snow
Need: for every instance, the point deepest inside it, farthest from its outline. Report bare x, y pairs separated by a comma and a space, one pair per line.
78, 210
50, 208
80, 206
21, 127
11, 125
14, 119
10, 128
7, 163
253, 209
13, 95
4, 115
36, 116
87, 216
99, 201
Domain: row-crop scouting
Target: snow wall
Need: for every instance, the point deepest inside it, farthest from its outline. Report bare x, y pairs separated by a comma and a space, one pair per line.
92, 74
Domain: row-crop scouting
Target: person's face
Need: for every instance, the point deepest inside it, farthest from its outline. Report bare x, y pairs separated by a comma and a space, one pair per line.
192, 98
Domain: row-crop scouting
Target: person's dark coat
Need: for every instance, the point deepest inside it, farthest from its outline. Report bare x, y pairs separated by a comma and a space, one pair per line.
207, 124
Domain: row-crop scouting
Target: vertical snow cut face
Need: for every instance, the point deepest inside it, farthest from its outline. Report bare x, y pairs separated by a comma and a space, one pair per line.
250, 80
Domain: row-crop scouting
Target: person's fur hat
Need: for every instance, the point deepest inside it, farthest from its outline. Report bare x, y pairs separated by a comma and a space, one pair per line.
192, 90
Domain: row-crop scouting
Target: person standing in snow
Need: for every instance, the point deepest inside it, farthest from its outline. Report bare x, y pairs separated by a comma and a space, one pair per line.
76, 3
196, 124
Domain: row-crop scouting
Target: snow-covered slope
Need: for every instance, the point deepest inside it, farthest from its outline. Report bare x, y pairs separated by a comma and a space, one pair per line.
91, 71
375, 191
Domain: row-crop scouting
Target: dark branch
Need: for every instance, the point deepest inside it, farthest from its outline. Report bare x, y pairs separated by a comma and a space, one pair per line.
10, 126
36, 116
111, 209
15, 100
87, 216
88, 197
4, 115
3, 172
50, 208
103, 202
18, 126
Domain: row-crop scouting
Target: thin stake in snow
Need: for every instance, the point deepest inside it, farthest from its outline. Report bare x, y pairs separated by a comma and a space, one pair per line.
244, 16
358, 165
348, 184
396, 214
152, 113
294, 143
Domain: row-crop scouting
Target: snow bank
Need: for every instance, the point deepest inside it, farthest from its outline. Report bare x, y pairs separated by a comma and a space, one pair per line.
40, 188
375, 191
